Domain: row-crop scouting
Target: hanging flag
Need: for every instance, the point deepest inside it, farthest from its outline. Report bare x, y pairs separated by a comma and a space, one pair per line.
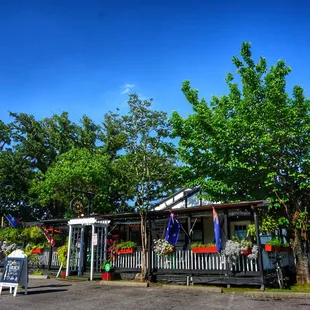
217, 231
12, 220
173, 230
49, 239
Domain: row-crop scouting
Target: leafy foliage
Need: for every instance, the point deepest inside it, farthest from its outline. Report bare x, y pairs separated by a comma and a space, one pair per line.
126, 245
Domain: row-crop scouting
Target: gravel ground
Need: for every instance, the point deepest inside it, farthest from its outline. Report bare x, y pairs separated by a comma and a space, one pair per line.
56, 294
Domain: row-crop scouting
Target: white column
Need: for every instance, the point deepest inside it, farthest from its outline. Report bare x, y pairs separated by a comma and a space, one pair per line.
92, 253
81, 254
105, 243
69, 251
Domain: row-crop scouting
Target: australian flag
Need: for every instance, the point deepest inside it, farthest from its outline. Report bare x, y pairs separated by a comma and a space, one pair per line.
217, 231
173, 230
12, 220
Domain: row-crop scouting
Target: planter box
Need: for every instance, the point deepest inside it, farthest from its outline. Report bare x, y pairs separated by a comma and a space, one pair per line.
125, 251
107, 276
36, 251
206, 249
274, 248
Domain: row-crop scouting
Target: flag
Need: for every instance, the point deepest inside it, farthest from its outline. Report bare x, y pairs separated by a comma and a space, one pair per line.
49, 239
217, 231
12, 220
173, 230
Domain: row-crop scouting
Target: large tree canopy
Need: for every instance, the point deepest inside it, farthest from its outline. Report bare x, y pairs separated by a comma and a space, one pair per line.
253, 143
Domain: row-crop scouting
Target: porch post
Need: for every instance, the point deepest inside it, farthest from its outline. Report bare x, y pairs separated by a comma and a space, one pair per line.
92, 253
50, 252
226, 232
260, 256
69, 251
105, 243
149, 250
81, 256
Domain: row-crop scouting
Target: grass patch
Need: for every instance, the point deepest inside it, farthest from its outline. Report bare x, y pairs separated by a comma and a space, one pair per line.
293, 289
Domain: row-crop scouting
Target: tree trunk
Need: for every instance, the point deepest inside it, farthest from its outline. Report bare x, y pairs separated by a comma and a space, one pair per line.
302, 260
143, 216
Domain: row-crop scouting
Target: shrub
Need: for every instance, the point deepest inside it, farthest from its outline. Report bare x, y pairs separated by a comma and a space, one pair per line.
201, 245
126, 245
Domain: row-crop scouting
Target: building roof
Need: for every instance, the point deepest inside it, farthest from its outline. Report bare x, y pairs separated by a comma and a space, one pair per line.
205, 208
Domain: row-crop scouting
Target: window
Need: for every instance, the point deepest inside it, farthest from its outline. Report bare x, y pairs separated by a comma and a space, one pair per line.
239, 229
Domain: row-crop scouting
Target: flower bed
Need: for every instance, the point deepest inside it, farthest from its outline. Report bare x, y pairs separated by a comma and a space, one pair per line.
125, 247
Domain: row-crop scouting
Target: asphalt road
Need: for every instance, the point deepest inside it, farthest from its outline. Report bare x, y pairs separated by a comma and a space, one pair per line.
55, 294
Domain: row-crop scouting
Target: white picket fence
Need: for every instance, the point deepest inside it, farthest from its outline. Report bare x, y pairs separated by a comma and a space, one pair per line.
186, 260
43, 259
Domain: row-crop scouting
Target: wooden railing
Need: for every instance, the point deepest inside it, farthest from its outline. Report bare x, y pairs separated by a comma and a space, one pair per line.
186, 260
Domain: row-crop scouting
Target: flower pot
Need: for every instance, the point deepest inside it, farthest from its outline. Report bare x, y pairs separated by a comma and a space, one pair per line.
63, 274
107, 276
36, 251
246, 252
205, 249
274, 248
125, 251
71, 273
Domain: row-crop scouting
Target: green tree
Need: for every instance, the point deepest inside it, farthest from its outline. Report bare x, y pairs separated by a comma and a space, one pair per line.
36, 146
253, 143
5, 135
76, 172
149, 161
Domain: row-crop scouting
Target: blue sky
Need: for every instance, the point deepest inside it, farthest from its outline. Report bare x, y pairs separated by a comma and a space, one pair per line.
85, 57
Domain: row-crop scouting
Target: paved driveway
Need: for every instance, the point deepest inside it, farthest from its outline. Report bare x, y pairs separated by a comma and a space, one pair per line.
54, 294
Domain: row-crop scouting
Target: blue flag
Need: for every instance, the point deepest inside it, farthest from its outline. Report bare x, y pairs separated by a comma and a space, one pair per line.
173, 230
12, 220
217, 231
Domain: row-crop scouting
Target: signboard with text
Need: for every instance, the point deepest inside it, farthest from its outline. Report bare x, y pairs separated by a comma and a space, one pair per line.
12, 270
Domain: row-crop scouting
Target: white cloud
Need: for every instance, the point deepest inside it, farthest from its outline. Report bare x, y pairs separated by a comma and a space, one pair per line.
127, 88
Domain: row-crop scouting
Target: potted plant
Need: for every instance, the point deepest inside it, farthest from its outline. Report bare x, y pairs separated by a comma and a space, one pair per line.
106, 270
163, 247
126, 247
276, 245
62, 253
199, 247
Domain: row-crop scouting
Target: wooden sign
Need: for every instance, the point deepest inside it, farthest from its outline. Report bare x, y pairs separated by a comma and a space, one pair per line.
12, 270
15, 272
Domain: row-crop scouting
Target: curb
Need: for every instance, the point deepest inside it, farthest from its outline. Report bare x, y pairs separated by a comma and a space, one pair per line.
120, 283
43, 277
277, 295
194, 288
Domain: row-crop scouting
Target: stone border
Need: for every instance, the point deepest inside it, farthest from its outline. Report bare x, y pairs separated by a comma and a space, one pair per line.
125, 283
206, 289
277, 295
34, 277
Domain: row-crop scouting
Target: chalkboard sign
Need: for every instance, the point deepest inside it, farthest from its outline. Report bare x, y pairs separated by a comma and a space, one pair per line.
12, 270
